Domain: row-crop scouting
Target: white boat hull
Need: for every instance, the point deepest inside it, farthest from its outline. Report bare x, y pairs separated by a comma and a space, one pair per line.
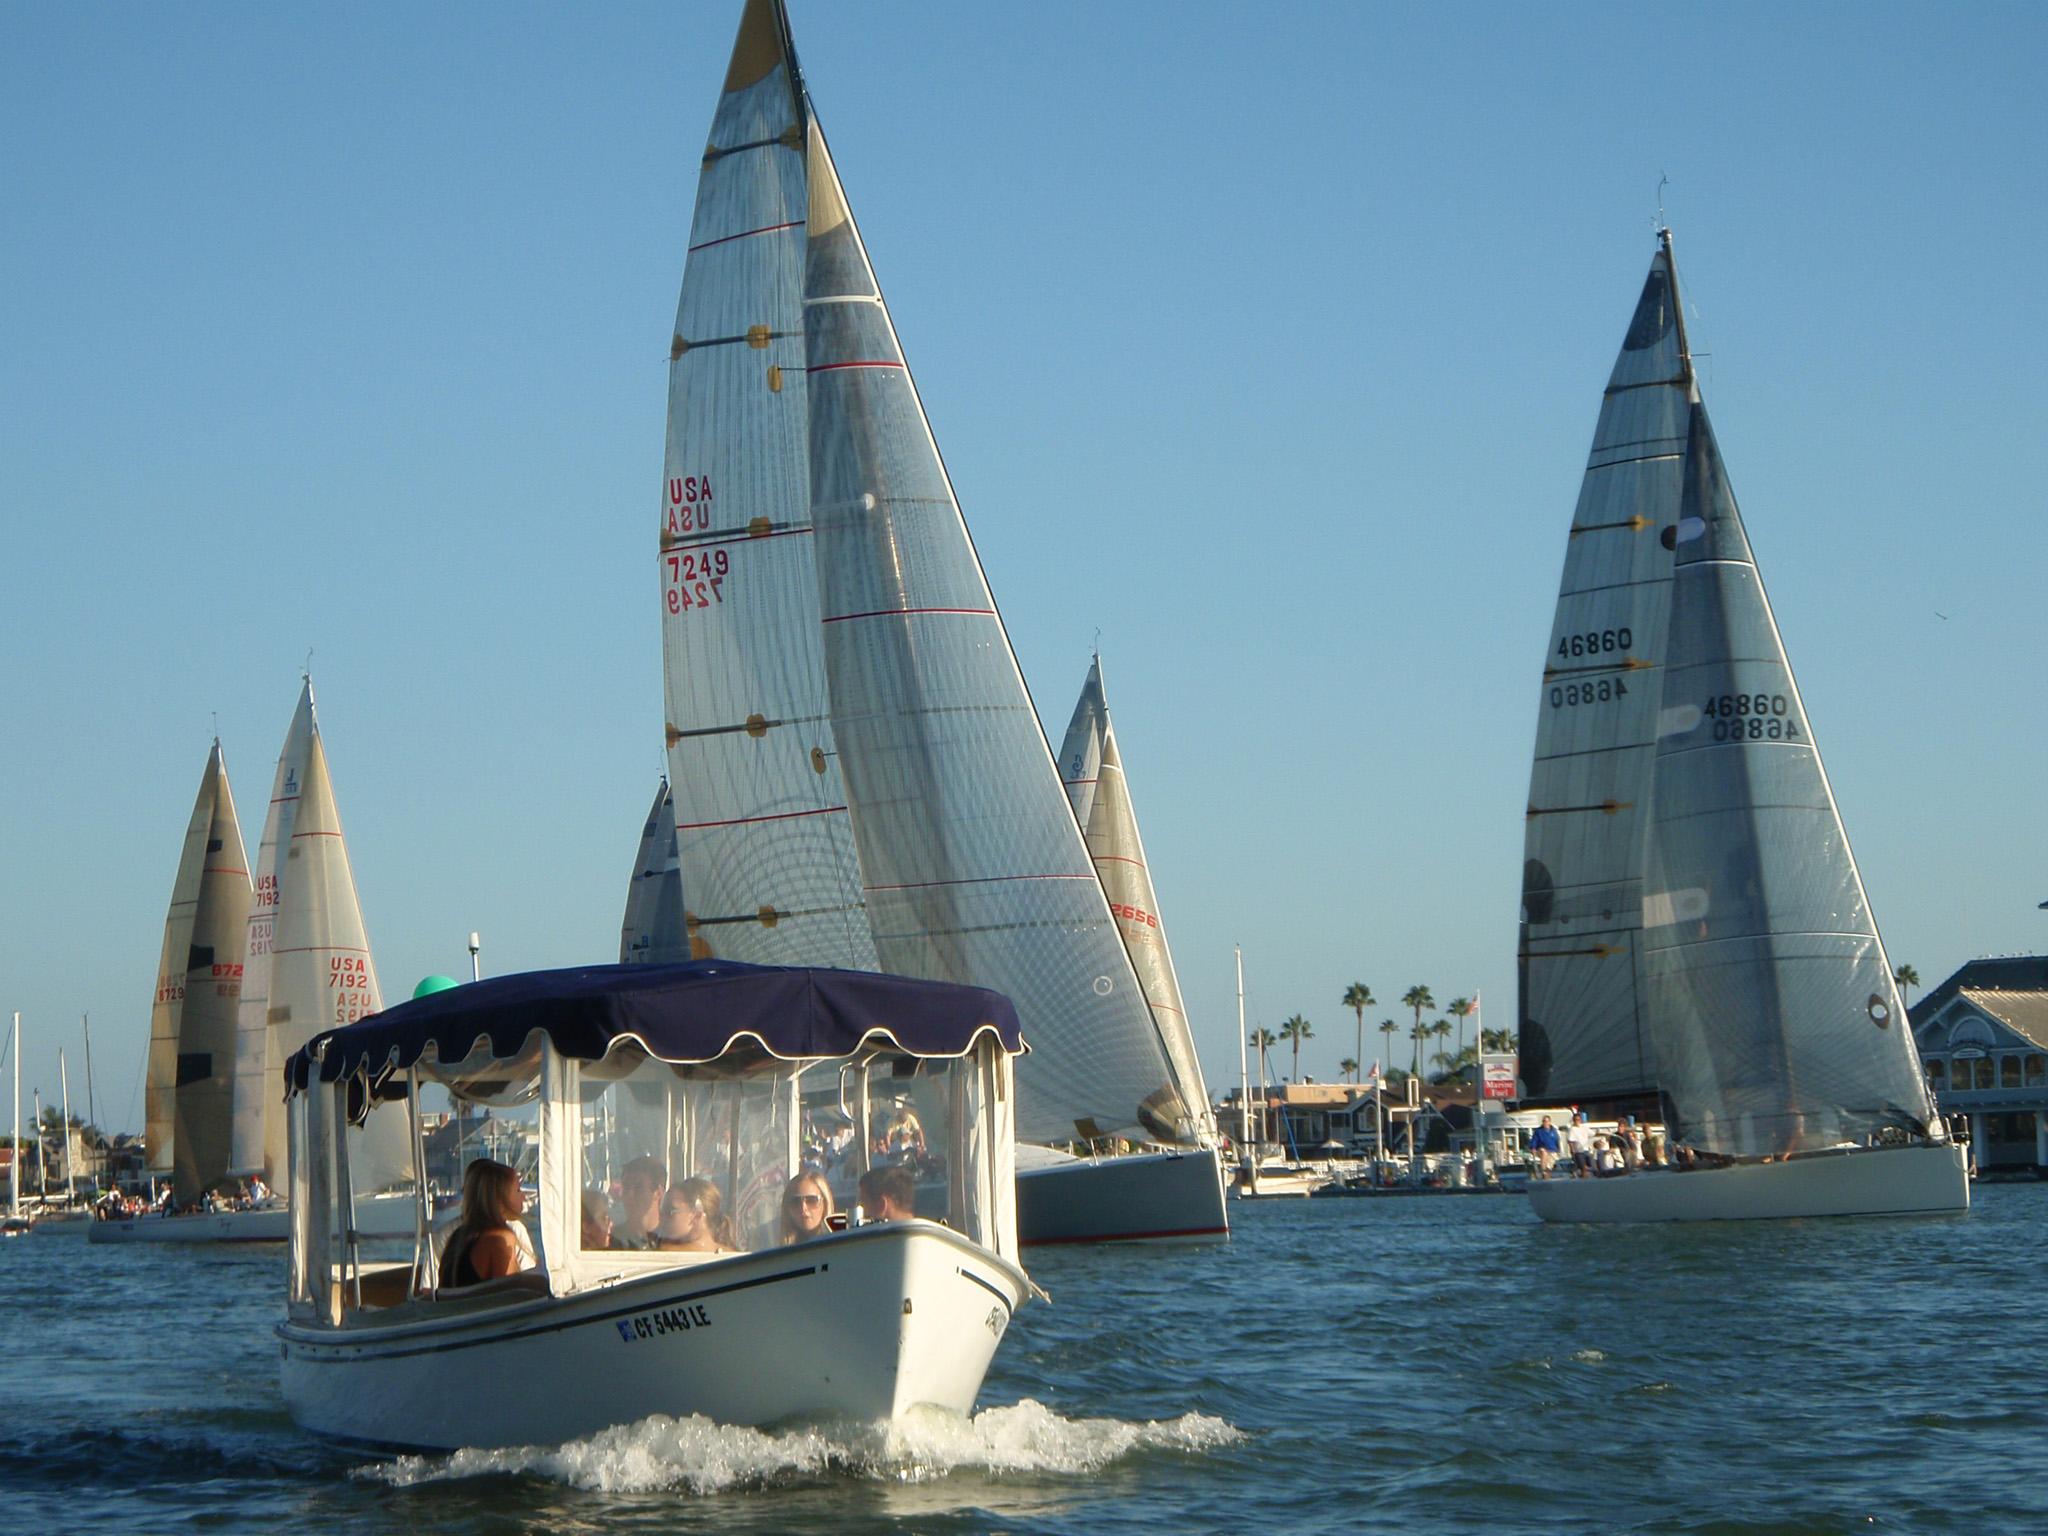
1142, 1197
381, 1216
62, 1224
1885, 1181
863, 1325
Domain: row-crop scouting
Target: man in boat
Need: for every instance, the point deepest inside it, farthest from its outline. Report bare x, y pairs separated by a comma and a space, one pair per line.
640, 1187
888, 1194
1544, 1143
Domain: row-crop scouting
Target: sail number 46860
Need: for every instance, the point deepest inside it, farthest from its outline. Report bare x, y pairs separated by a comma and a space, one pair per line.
1596, 642
696, 579
1593, 691
1751, 717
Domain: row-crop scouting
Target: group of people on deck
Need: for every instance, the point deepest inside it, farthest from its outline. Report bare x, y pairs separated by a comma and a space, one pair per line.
489, 1240
1594, 1154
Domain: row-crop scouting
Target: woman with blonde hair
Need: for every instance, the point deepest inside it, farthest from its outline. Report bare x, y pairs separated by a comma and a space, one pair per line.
806, 1208
483, 1246
693, 1219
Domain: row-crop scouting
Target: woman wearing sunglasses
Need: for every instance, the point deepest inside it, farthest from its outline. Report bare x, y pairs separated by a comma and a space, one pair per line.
806, 1208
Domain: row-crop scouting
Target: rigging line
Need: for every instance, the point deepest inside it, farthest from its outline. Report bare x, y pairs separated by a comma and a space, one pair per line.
926, 885
758, 340
1622, 389
753, 727
858, 363
1635, 524
1628, 664
895, 613
780, 914
1611, 807
787, 139
711, 536
748, 234
745, 821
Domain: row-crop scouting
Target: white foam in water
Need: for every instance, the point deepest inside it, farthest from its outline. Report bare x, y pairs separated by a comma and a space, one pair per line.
661, 1453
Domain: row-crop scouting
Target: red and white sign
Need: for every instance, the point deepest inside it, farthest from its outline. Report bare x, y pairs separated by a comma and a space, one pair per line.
1498, 1079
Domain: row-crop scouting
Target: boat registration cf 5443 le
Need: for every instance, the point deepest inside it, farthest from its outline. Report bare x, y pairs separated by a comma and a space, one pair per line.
747, 1092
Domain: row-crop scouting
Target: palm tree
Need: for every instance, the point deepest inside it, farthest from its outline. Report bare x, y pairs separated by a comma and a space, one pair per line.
1441, 1029
1418, 998
1387, 1028
1349, 1068
1296, 1029
1419, 1032
1496, 1040
1358, 997
1262, 1041
1908, 979
1461, 1009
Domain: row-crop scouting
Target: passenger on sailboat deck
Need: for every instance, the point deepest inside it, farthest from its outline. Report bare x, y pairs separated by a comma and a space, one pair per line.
597, 1219
888, 1194
483, 1245
1544, 1143
693, 1219
1580, 1135
806, 1208
640, 1187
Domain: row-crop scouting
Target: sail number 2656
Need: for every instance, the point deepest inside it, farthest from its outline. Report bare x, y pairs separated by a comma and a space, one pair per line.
696, 578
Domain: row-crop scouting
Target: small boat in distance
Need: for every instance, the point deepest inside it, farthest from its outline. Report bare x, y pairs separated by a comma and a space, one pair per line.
720, 1083
1694, 921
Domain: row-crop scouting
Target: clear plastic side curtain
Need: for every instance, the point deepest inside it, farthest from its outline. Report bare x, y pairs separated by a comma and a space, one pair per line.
213, 989
322, 974
1777, 1023
160, 1103
1110, 828
652, 931
259, 1138
974, 866
1580, 1024
766, 853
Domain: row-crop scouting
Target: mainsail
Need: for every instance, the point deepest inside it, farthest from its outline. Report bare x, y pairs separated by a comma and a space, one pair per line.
321, 973
259, 1135
190, 1101
652, 931
1092, 767
973, 865
1581, 1025
765, 849
160, 1092
1777, 1023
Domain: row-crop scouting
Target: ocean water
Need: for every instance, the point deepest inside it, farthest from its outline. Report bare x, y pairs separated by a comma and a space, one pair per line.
1397, 1365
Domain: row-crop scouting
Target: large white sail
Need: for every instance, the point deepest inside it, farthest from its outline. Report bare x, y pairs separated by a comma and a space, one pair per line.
160, 1081
1091, 765
1777, 1024
259, 1137
973, 865
190, 1102
1581, 1030
321, 973
652, 931
766, 852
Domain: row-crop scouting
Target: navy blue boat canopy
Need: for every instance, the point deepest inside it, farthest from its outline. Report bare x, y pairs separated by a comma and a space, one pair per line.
692, 1012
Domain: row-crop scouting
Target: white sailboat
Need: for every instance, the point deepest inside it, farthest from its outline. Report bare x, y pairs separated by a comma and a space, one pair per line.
321, 975
811, 829
652, 931
1766, 1015
718, 1077
1061, 1198
259, 1142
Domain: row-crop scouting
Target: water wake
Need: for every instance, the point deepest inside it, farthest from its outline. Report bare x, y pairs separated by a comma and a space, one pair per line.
664, 1454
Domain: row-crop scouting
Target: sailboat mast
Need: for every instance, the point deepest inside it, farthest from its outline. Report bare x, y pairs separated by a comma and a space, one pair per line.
42, 1162
64, 1088
14, 1163
1244, 1077
92, 1114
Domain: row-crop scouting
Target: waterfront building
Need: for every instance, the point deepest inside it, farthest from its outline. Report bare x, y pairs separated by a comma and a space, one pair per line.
1983, 1039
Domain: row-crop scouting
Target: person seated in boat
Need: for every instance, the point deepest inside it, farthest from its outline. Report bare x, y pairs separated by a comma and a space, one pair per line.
1607, 1159
693, 1219
640, 1186
806, 1208
1580, 1137
597, 1219
483, 1245
1544, 1143
259, 1192
888, 1194
902, 1139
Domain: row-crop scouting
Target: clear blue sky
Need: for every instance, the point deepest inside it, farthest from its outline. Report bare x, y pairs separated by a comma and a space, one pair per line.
1267, 340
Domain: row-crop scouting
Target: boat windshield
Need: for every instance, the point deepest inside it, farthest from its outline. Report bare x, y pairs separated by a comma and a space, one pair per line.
751, 1151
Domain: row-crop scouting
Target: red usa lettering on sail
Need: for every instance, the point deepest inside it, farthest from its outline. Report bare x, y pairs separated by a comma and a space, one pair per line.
689, 503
